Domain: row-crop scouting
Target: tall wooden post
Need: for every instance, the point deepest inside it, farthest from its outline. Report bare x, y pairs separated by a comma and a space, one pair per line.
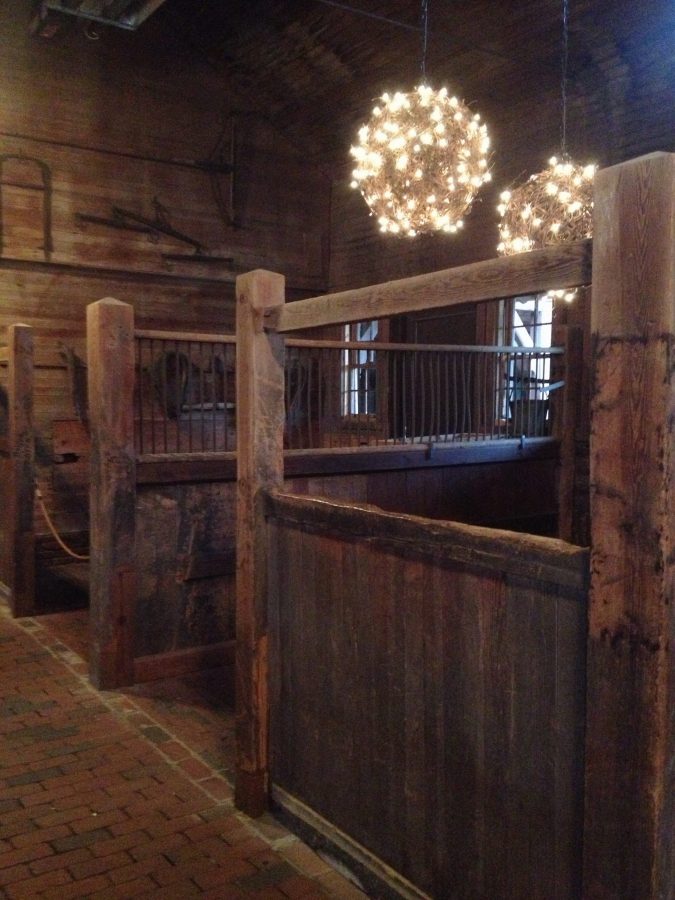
260, 464
629, 840
110, 358
20, 517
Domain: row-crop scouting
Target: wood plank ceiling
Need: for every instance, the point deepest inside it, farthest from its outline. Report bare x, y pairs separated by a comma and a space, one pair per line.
313, 67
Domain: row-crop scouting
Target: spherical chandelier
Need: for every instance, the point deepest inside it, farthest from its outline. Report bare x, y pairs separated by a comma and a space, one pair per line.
554, 206
551, 207
420, 160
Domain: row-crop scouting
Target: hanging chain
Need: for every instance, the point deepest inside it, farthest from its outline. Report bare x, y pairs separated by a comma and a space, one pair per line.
563, 86
425, 36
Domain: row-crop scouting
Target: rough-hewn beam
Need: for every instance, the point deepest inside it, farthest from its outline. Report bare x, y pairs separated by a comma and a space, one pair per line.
554, 267
110, 357
630, 788
21, 447
260, 428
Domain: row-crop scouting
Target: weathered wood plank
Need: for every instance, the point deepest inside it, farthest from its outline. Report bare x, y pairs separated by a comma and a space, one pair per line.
201, 337
176, 468
428, 690
196, 566
630, 758
21, 445
554, 267
177, 663
572, 408
528, 556
110, 358
260, 427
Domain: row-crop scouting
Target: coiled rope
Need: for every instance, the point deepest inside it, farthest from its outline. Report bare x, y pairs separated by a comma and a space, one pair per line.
57, 536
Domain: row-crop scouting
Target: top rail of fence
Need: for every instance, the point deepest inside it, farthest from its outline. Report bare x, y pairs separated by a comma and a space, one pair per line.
186, 337
554, 267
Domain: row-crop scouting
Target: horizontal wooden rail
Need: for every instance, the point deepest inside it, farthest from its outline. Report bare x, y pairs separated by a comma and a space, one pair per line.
185, 468
437, 348
186, 337
520, 555
558, 266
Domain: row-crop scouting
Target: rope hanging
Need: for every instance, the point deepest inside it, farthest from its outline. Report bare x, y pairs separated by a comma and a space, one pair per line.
57, 536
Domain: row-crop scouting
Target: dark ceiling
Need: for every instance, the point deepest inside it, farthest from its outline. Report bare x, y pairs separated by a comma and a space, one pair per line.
313, 68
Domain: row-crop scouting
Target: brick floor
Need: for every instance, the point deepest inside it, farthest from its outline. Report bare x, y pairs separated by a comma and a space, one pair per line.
104, 794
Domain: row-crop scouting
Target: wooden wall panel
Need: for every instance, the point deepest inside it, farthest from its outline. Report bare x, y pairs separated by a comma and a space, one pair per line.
516, 495
431, 709
184, 546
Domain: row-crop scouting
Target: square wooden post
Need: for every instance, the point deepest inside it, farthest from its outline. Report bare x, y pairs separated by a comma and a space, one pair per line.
110, 359
260, 466
20, 514
629, 839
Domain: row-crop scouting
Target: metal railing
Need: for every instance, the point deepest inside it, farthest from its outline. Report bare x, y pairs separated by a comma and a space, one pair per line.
344, 394
185, 393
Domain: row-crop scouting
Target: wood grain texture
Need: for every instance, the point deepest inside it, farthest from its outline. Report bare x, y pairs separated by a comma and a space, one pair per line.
630, 758
571, 412
427, 704
527, 556
260, 461
185, 540
183, 662
110, 359
554, 267
20, 542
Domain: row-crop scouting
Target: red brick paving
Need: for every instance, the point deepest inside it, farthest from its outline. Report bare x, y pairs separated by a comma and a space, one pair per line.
91, 806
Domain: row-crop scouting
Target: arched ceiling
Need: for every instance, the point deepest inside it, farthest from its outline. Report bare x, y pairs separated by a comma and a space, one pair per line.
312, 68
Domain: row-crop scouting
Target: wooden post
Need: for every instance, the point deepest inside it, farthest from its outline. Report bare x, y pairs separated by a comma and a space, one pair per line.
20, 524
629, 844
567, 430
260, 464
110, 357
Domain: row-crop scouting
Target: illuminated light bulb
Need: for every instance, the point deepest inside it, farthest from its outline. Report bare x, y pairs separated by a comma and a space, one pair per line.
420, 161
553, 206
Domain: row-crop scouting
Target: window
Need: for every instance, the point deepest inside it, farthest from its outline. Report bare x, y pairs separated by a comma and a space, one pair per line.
532, 327
359, 373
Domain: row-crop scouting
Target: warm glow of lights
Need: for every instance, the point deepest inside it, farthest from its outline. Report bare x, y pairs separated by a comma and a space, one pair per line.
420, 160
552, 207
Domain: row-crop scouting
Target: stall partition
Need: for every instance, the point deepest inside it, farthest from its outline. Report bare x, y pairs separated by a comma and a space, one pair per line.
450, 707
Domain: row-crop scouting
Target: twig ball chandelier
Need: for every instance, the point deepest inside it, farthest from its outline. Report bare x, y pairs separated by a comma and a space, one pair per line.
552, 207
420, 160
